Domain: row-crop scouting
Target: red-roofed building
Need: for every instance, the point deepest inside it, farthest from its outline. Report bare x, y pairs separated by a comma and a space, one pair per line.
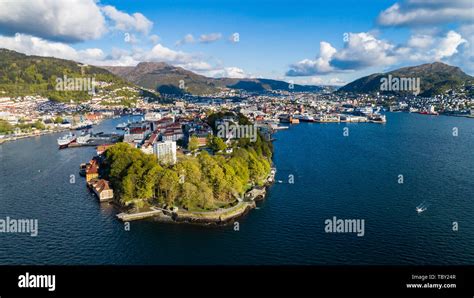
101, 148
92, 170
102, 189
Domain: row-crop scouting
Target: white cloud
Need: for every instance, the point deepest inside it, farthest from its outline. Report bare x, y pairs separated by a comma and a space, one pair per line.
361, 50
91, 54
211, 37
203, 38
428, 48
227, 72
426, 12
320, 65
422, 41
162, 53
154, 38
336, 82
70, 21
448, 46
188, 38
126, 22
31, 45
465, 56
319, 81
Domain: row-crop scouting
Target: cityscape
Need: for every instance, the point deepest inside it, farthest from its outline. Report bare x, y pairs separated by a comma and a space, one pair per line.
138, 141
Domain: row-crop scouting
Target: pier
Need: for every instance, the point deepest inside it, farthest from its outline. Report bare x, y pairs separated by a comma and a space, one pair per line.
96, 140
139, 215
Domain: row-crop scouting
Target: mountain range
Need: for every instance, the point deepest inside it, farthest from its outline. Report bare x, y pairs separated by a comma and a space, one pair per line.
168, 79
435, 78
22, 74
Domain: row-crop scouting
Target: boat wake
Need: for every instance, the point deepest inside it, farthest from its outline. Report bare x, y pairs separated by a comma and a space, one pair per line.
422, 207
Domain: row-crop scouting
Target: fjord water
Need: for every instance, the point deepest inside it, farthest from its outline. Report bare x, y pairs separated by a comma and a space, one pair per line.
353, 177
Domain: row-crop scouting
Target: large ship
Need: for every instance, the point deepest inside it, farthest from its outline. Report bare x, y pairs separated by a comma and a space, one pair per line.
304, 117
288, 119
327, 118
84, 138
65, 140
123, 125
83, 125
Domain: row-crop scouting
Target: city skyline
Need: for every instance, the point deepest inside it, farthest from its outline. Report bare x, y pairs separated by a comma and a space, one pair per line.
300, 42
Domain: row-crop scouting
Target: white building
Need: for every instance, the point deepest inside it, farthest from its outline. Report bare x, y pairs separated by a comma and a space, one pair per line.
165, 151
431, 109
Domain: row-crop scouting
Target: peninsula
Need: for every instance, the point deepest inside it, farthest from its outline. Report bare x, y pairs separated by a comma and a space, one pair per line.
205, 179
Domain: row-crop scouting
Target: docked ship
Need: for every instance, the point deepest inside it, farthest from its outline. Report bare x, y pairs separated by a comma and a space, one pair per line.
83, 125
429, 113
378, 118
288, 119
84, 139
65, 140
304, 117
327, 118
122, 126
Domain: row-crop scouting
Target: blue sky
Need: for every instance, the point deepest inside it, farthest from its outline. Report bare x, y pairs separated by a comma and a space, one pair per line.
310, 42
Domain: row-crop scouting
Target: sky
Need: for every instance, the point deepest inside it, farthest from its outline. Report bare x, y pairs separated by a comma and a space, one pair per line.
307, 42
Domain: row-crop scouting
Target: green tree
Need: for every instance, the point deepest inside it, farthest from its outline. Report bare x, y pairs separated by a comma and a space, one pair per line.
5, 127
58, 120
218, 145
169, 186
193, 144
39, 125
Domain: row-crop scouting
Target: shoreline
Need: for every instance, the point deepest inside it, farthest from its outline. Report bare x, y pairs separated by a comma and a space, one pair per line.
26, 136
42, 133
220, 217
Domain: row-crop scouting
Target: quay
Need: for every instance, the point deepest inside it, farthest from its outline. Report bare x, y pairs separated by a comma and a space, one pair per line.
139, 215
204, 217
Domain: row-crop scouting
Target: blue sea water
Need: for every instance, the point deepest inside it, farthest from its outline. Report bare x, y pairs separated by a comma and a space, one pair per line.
349, 177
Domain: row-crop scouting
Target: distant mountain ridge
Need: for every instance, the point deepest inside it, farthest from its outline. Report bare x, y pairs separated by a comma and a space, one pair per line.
166, 79
435, 78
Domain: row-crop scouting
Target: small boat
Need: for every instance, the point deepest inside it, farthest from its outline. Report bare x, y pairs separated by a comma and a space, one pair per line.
122, 126
82, 169
420, 209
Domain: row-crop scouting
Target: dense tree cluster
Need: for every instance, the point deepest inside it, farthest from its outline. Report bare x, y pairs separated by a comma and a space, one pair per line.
201, 182
5, 127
